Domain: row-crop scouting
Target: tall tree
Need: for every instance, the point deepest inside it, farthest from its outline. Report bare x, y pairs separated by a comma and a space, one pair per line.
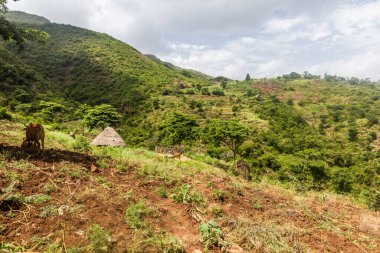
247, 77
178, 128
230, 133
101, 116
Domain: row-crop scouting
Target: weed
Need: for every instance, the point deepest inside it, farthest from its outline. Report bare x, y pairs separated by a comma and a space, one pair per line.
146, 241
257, 204
81, 144
74, 250
48, 211
220, 195
135, 214
184, 195
8, 247
217, 211
100, 239
49, 188
73, 170
103, 181
162, 192
164, 243
37, 199
212, 234
52, 248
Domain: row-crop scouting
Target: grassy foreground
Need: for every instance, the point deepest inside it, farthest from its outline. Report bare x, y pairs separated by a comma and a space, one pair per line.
134, 200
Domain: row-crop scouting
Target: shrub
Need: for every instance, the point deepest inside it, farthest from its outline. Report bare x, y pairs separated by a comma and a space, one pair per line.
184, 195
212, 234
135, 214
4, 114
81, 144
100, 239
218, 92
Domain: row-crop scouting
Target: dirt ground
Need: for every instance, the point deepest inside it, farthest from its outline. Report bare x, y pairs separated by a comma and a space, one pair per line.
85, 192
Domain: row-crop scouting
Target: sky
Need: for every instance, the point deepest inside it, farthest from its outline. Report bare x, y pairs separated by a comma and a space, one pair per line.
264, 38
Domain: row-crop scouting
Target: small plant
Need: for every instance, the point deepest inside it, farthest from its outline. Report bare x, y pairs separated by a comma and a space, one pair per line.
82, 144
37, 199
100, 239
184, 195
103, 181
74, 250
212, 234
48, 211
8, 247
256, 204
135, 214
162, 192
217, 211
49, 188
52, 248
220, 195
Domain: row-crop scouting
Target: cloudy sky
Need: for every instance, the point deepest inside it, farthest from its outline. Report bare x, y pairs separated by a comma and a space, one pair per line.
235, 37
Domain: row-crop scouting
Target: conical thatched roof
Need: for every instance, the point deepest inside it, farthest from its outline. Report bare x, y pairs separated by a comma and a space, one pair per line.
109, 137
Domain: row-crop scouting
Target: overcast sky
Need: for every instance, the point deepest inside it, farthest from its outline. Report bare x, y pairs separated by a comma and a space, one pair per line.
235, 37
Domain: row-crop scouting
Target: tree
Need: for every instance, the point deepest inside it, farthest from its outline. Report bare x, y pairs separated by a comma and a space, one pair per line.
11, 32
101, 116
228, 133
178, 128
247, 77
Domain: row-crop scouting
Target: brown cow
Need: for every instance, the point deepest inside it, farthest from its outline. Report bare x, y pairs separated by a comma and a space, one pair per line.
34, 133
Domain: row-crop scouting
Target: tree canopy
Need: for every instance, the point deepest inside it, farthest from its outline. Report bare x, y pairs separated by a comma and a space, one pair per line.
101, 116
178, 128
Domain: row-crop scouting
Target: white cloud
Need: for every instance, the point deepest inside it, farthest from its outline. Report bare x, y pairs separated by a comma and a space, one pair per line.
232, 38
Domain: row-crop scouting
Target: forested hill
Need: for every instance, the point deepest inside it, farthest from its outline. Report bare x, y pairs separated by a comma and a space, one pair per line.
305, 131
87, 66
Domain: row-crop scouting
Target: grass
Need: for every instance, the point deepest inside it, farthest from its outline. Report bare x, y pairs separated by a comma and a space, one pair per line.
184, 194
37, 199
99, 238
136, 213
264, 237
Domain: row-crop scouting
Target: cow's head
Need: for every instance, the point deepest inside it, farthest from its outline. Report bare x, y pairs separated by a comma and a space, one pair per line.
25, 143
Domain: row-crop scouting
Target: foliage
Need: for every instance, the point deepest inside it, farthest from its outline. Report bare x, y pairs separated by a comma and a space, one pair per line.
247, 77
177, 129
10, 32
135, 214
100, 239
81, 144
4, 114
8, 247
212, 234
184, 194
101, 116
229, 133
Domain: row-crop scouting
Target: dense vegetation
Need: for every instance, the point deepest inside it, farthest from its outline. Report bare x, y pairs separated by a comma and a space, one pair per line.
299, 129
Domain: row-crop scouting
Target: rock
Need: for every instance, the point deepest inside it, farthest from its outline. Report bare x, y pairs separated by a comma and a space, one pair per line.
196, 251
63, 209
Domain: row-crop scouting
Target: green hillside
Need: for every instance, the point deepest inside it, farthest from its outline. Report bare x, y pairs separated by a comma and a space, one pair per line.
305, 132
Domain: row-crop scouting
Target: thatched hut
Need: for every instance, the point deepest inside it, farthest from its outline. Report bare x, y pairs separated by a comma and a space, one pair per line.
109, 137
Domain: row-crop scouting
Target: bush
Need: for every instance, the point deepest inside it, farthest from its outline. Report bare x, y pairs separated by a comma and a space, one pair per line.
4, 114
341, 180
135, 214
100, 239
184, 195
212, 234
82, 144
218, 92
